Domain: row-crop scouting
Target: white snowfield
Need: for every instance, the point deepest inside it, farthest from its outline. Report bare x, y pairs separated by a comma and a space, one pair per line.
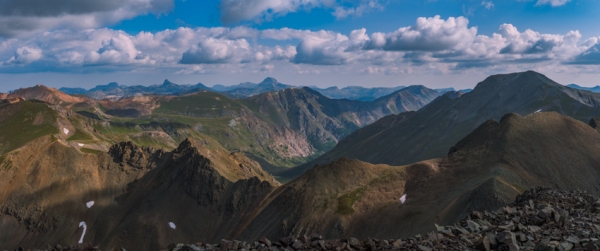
172, 225
403, 199
66, 131
82, 224
80, 145
89, 204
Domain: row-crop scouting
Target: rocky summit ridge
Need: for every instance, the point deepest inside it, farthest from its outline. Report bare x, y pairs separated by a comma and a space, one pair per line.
539, 219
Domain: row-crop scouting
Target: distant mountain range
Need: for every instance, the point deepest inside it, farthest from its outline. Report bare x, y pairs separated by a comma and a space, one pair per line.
115, 91
592, 89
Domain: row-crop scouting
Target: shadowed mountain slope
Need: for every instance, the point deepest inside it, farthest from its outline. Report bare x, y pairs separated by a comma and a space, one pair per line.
138, 191
432, 130
484, 171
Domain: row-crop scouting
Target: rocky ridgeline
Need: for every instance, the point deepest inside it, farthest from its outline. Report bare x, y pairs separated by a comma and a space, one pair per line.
540, 219
78, 247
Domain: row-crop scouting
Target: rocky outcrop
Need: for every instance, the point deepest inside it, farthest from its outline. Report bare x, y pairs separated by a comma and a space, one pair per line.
595, 123
137, 191
130, 154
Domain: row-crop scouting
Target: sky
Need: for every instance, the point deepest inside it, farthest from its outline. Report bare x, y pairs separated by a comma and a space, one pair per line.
436, 43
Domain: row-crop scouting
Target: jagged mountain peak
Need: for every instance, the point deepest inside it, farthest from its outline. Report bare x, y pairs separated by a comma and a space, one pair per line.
168, 83
185, 145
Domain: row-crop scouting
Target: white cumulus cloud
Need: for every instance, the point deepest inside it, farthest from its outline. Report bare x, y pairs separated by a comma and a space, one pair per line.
234, 11
553, 3
22, 17
427, 34
216, 51
25, 55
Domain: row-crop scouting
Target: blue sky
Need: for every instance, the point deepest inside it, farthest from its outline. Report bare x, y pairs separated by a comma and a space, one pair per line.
438, 43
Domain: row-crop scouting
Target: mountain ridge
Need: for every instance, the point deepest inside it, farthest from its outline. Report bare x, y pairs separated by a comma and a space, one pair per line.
592, 89
433, 129
486, 169
242, 90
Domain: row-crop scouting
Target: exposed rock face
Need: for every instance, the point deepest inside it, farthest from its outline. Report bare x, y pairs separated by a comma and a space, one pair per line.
136, 191
133, 155
324, 121
594, 123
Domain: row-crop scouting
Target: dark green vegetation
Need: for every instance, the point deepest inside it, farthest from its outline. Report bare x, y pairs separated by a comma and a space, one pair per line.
346, 201
91, 151
23, 122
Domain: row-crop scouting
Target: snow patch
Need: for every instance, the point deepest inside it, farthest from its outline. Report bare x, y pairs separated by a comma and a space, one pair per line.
66, 131
232, 123
89, 204
403, 199
82, 224
80, 145
172, 225
538, 111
